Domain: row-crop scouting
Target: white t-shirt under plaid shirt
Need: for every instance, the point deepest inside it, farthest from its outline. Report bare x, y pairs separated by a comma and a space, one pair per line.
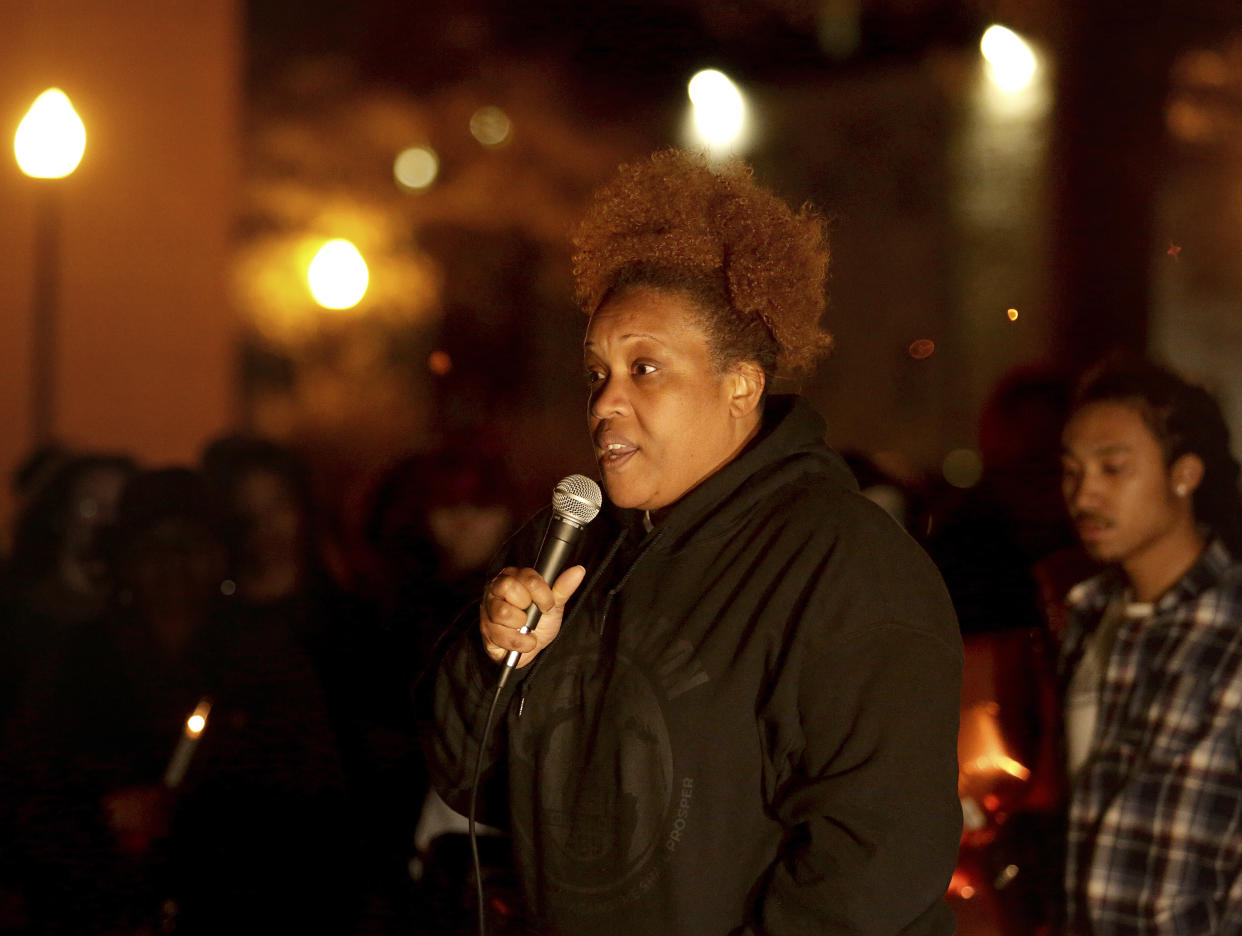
1155, 824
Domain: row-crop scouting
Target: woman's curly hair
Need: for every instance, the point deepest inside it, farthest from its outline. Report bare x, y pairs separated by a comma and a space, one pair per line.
755, 267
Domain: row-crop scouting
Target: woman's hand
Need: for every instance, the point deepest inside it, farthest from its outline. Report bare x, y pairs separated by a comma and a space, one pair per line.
503, 611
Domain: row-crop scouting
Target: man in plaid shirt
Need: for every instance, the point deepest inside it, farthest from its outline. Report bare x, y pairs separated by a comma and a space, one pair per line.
1152, 660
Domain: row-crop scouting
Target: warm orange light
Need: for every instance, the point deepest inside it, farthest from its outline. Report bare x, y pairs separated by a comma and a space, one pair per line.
338, 276
921, 349
985, 767
51, 138
1013, 315
960, 885
1002, 763
439, 363
197, 721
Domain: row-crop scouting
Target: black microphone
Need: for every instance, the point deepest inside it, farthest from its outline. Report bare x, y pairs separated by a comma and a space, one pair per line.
576, 501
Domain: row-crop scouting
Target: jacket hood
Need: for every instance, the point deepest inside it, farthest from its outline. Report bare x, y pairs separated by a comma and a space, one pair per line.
790, 445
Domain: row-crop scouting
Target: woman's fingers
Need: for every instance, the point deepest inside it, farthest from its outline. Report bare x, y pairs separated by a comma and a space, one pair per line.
503, 611
566, 584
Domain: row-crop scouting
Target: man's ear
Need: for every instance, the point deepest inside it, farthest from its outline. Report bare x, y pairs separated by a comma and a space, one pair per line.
746, 382
1186, 474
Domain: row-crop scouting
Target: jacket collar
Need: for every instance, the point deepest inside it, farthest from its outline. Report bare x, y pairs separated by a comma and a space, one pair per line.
790, 442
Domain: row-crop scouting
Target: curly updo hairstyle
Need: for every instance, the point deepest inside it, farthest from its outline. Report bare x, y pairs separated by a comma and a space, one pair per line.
753, 267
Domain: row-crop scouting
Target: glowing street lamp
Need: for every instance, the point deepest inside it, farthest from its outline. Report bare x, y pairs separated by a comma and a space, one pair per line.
49, 144
718, 117
338, 275
51, 138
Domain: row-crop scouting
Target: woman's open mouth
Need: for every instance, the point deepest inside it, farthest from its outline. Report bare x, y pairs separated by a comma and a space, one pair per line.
615, 454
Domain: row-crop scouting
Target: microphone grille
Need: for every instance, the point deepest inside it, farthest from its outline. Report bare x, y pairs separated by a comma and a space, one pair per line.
577, 498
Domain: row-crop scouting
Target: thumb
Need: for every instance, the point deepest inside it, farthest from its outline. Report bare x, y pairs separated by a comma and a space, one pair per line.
567, 583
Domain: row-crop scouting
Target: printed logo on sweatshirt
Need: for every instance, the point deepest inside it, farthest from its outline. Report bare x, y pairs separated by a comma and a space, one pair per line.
608, 810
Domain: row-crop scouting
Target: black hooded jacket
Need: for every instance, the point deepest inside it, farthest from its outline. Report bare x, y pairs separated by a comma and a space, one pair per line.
747, 724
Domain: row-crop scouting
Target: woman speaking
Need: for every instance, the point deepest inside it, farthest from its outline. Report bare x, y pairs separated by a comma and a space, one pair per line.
738, 712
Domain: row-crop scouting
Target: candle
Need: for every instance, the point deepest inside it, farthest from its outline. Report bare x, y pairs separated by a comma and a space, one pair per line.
186, 744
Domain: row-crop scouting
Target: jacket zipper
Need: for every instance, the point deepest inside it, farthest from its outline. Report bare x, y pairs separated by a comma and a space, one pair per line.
595, 576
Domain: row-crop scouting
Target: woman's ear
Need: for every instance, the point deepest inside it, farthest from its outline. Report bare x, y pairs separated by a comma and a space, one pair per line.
746, 381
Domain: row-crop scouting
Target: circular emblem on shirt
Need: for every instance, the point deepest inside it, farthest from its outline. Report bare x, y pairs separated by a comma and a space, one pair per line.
601, 773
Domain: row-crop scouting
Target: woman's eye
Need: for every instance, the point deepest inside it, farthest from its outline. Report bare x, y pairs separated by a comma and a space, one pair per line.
593, 377
642, 368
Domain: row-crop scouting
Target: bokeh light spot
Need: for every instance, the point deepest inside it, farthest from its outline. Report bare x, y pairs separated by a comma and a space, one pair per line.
1013, 315
719, 110
439, 363
921, 349
51, 138
490, 126
416, 168
962, 468
1011, 61
338, 275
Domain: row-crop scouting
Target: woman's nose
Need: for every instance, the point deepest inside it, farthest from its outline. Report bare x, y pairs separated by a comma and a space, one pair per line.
608, 398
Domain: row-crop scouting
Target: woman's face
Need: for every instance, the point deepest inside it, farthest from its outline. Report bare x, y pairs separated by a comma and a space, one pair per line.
662, 418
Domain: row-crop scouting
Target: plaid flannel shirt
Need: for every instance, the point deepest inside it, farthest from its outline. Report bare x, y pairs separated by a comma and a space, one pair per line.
1155, 824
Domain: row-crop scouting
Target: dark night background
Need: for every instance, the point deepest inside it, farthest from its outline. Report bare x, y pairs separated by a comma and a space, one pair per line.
982, 240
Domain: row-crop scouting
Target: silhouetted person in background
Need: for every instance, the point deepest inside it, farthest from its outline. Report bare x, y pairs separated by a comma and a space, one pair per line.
269, 521
987, 540
435, 520
1002, 546
35, 468
276, 562
56, 579
1152, 659
253, 839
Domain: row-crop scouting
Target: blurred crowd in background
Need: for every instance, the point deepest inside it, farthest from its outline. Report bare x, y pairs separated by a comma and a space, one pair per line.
134, 595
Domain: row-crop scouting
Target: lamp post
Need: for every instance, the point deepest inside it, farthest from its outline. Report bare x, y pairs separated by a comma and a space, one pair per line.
48, 145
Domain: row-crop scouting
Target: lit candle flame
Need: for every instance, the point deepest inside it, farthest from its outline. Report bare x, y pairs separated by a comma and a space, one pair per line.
197, 721
186, 744
1013, 315
1002, 763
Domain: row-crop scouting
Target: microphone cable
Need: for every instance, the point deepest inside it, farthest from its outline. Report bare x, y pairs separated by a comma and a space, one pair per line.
576, 501
474, 793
